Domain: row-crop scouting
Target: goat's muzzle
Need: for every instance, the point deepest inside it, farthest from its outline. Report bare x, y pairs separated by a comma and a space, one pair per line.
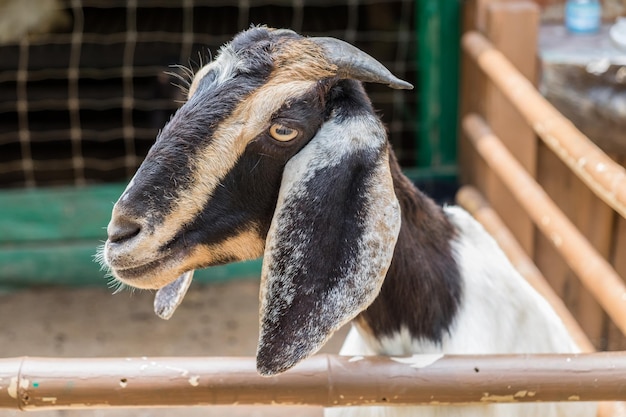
133, 255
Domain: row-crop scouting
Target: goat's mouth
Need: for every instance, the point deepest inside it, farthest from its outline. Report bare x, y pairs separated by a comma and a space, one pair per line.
151, 274
134, 272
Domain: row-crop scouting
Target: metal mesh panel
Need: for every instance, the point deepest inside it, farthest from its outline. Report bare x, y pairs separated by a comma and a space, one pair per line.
84, 105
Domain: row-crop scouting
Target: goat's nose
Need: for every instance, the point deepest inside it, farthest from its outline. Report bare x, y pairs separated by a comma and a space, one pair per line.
122, 228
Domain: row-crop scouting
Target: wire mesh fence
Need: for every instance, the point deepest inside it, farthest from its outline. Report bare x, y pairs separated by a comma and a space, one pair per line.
82, 103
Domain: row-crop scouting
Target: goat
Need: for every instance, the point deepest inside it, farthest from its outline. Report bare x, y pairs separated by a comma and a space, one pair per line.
278, 152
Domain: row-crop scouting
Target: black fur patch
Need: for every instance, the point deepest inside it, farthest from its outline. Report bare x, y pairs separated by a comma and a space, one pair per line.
348, 100
422, 290
316, 262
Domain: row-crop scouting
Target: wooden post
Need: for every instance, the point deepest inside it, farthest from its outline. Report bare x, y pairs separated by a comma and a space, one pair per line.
615, 339
595, 220
512, 27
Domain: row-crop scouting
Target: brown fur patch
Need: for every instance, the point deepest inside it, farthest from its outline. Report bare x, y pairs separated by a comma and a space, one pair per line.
300, 60
242, 247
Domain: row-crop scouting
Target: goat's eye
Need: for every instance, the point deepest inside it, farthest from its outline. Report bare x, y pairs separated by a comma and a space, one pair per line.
282, 133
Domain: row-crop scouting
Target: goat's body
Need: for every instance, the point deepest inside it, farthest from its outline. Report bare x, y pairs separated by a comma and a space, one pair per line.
499, 313
278, 151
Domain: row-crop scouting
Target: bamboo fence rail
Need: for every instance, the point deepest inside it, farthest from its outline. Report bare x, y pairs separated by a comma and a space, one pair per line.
595, 272
326, 380
606, 178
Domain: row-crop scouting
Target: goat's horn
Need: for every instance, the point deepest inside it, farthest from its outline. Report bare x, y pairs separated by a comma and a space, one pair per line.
356, 64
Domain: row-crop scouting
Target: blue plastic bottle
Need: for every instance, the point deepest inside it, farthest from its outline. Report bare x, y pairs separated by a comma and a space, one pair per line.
583, 16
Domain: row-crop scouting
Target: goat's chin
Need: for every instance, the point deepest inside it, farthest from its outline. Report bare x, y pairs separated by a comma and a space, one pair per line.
139, 267
152, 280
151, 275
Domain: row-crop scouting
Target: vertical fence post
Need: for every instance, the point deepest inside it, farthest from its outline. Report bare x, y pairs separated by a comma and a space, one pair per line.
595, 220
438, 23
615, 339
512, 27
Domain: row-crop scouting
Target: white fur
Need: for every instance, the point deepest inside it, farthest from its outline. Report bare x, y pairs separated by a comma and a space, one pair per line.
131, 183
500, 313
225, 65
227, 62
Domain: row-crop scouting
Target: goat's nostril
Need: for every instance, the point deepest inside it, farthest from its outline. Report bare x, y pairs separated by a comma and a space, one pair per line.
122, 228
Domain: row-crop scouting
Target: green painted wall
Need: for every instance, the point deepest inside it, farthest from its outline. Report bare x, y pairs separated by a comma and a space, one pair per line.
50, 236
438, 23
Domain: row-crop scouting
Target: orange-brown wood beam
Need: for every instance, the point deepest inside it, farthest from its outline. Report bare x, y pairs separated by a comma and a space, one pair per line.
602, 175
326, 380
593, 270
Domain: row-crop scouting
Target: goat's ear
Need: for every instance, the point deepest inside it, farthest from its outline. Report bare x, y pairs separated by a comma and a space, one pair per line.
330, 243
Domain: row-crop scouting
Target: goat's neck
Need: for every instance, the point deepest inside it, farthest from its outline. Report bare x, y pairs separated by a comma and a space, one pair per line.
422, 290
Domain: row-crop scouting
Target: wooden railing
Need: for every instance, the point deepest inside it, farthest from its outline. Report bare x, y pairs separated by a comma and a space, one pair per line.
325, 380
547, 177
594, 271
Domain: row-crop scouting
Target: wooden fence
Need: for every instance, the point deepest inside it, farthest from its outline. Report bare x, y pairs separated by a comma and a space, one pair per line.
559, 202
324, 380
500, 72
